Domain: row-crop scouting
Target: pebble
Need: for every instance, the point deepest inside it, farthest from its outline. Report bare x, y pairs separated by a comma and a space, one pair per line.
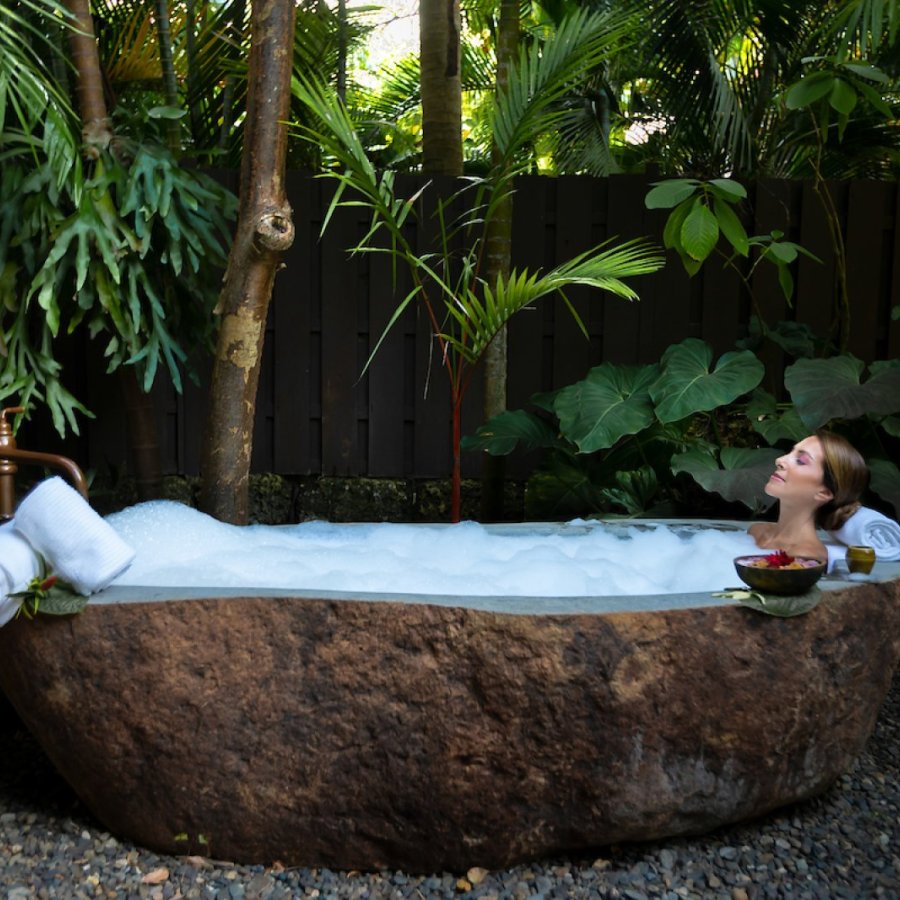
843, 844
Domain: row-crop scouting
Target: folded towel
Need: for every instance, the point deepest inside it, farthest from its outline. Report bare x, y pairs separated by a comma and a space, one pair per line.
869, 528
18, 565
18, 561
8, 608
77, 544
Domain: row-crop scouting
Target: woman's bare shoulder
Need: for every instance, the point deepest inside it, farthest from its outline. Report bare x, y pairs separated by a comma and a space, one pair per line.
761, 532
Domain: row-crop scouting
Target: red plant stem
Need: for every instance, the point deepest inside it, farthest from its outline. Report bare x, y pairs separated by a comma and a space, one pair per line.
456, 477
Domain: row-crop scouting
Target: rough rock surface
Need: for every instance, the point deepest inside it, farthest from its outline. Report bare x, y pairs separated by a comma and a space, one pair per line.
366, 735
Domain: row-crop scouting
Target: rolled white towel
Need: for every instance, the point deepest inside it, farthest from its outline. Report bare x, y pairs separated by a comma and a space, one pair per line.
18, 565
78, 544
870, 528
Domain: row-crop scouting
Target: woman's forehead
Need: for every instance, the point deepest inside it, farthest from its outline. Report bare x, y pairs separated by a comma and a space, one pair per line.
810, 446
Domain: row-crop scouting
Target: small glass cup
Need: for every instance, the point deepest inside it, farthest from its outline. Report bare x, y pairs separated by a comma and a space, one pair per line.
860, 559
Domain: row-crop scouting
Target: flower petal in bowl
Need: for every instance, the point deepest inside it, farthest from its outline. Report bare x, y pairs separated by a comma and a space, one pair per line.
798, 577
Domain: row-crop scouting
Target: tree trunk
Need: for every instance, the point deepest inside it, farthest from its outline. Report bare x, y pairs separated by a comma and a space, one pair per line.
498, 252
264, 231
96, 127
441, 87
143, 436
167, 64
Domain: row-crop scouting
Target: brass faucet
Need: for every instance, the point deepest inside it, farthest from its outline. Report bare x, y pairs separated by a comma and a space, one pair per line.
10, 455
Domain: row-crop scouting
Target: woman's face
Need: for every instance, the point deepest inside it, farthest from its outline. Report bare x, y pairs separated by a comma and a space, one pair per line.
799, 475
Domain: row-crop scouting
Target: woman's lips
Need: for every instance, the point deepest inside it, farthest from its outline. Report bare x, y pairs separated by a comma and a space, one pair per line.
775, 477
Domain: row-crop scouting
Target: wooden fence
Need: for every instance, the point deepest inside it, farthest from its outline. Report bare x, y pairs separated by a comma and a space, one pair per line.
316, 415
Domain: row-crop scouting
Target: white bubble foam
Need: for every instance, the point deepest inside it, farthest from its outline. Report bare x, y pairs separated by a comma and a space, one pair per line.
178, 546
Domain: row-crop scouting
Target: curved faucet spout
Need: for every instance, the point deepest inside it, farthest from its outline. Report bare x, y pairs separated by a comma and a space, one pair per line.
10, 454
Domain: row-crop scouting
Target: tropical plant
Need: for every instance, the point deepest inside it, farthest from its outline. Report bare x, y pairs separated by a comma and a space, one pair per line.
616, 440
126, 232
466, 311
831, 93
824, 393
708, 83
610, 439
703, 212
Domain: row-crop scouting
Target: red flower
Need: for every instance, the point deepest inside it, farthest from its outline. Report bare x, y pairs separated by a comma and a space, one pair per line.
778, 559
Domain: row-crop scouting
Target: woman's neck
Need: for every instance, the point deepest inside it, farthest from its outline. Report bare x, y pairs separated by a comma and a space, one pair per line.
794, 532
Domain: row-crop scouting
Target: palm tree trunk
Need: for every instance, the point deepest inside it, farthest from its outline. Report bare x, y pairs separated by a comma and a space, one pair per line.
264, 231
441, 87
170, 85
498, 250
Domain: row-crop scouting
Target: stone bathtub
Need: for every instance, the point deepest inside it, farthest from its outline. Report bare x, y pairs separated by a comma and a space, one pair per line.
364, 732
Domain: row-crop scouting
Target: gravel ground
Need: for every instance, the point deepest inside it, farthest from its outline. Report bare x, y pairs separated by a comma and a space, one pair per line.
845, 843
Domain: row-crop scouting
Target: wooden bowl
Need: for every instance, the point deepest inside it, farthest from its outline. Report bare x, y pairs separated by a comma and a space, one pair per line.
780, 579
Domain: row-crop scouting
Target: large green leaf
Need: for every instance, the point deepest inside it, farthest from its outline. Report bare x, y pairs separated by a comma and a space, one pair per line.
886, 481
666, 194
686, 385
783, 606
611, 402
566, 487
826, 389
503, 432
741, 477
634, 490
891, 424
809, 89
772, 423
699, 232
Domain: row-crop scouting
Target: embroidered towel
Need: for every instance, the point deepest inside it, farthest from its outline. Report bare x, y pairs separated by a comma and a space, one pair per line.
18, 565
869, 528
78, 544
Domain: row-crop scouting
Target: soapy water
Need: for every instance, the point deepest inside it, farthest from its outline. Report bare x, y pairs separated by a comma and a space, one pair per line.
177, 546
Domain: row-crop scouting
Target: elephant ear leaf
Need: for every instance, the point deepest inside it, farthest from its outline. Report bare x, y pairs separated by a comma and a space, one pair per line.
686, 384
740, 478
886, 481
503, 432
774, 424
825, 389
611, 402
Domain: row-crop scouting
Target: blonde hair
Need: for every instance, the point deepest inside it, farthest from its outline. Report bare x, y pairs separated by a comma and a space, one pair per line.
845, 474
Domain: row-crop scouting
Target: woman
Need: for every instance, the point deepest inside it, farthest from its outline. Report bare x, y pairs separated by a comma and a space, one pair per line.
817, 485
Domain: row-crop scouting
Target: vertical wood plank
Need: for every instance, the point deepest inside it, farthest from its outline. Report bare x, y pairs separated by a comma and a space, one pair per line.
622, 319
572, 353
339, 279
295, 296
814, 297
526, 330
867, 244
892, 335
771, 207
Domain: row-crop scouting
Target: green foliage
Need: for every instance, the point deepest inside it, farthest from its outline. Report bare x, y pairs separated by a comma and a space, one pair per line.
735, 473
134, 251
702, 213
49, 596
618, 429
617, 439
834, 88
465, 310
783, 606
